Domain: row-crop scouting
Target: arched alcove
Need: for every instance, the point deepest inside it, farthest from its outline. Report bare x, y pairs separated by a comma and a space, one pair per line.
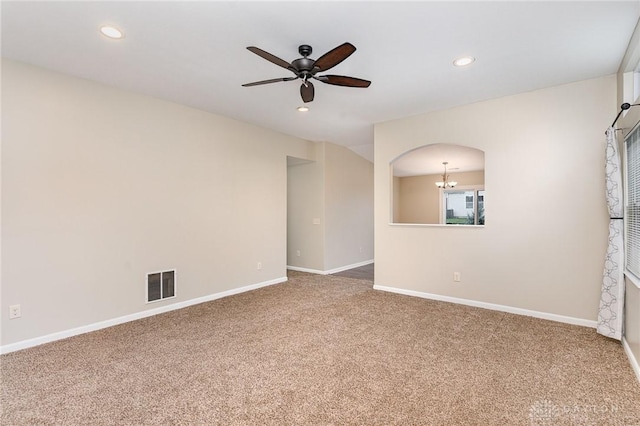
417, 199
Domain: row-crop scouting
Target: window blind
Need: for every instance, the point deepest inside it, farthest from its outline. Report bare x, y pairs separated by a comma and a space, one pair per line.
632, 208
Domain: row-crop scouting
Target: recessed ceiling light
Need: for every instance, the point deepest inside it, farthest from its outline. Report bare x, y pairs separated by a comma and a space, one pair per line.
303, 108
464, 61
111, 32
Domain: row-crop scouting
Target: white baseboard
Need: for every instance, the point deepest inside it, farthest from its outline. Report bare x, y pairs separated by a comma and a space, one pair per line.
307, 270
491, 306
632, 359
330, 271
353, 265
24, 344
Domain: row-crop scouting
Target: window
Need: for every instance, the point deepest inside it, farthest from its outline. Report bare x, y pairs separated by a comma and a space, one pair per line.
161, 285
463, 206
469, 201
632, 207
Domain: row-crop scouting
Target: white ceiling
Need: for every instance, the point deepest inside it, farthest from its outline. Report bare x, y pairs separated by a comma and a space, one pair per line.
194, 53
428, 160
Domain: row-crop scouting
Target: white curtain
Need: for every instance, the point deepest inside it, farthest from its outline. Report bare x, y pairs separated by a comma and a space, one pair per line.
612, 297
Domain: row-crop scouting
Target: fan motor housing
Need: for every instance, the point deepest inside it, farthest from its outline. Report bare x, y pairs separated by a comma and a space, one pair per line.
304, 65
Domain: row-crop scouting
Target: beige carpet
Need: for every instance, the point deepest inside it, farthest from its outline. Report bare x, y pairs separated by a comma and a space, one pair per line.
324, 350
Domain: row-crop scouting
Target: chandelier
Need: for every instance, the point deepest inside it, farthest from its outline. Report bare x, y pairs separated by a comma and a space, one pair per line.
445, 183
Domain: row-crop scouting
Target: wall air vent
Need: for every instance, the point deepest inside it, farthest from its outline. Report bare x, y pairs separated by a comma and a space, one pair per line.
161, 285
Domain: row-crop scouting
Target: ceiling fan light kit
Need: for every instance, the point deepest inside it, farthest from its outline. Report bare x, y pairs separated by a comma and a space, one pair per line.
306, 69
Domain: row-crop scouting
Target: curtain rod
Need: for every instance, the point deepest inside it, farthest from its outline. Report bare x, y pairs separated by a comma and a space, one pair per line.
625, 106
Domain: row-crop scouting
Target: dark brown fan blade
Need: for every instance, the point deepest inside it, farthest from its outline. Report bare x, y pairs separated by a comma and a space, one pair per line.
269, 57
273, 80
341, 80
307, 91
334, 57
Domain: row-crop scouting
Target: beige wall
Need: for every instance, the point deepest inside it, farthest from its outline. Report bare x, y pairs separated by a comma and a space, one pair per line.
543, 246
395, 210
101, 186
305, 202
336, 189
419, 197
349, 207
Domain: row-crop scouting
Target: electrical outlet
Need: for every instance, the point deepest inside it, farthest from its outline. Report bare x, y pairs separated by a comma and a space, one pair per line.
298, 253
14, 311
360, 249
259, 265
456, 277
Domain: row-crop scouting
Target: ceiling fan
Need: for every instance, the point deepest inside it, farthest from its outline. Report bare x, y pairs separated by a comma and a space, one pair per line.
306, 69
